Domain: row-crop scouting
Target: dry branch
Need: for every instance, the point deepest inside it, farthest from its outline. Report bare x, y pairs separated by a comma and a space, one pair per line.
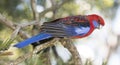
8, 23
70, 46
34, 9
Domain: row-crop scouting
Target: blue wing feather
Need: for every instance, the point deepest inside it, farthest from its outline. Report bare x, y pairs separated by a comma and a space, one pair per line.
77, 30
33, 39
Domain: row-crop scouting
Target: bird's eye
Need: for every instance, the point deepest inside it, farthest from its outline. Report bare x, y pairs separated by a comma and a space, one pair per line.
99, 21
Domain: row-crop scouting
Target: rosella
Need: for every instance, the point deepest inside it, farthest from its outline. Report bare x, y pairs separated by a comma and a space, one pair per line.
71, 27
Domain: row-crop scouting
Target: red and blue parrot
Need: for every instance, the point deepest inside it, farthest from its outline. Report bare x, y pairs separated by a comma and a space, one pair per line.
71, 27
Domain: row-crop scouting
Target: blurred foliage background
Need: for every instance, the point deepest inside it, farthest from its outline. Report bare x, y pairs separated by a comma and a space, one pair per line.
103, 50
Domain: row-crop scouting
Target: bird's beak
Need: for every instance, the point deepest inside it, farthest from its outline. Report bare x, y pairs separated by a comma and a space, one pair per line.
99, 27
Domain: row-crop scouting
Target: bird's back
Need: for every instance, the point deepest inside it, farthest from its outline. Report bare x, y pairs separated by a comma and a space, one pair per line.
69, 26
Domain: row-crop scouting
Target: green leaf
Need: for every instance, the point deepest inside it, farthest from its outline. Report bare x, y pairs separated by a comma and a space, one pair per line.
6, 43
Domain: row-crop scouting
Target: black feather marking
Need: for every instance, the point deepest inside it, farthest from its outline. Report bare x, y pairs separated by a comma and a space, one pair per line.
84, 24
56, 29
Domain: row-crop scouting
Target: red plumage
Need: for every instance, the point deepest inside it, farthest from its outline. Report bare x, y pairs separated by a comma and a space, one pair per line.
84, 18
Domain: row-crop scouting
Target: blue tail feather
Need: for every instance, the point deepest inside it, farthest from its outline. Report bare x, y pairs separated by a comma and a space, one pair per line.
33, 39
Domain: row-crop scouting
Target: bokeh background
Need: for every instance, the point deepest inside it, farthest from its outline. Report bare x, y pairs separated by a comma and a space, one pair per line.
102, 47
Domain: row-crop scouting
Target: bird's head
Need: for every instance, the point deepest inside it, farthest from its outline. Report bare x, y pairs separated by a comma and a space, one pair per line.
96, 20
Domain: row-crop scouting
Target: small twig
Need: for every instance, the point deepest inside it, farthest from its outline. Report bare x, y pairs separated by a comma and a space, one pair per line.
34, 9
5, 53
54, 4
10, 25
15, 32
22, 58
70, 46
52, 8
45, 45
22, 25
45, 56
35, 17
6, 22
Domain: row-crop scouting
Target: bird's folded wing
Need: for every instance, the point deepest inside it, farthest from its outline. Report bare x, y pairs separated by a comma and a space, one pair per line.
56, 29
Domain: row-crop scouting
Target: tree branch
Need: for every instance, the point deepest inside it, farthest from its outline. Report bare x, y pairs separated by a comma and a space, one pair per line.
12, 26
34, 9
45, 45
70, 46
